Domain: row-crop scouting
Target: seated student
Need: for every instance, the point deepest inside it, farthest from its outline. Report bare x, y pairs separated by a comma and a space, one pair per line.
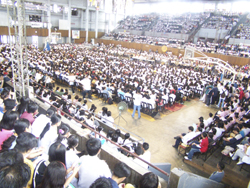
120, 173
243, 153
139, 152
233, 141
172, 95
15, 175
184, 138
84, 106
196, 147
90, 121
149, 180
25, 142
109, 119
92, 109
101, 182
208, 121
146, 153
92, 167
32, 110
219, 174
55, 175
7, 125
22, 107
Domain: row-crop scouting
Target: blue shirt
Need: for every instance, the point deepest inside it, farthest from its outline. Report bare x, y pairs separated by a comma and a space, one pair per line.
217, 176
113, 183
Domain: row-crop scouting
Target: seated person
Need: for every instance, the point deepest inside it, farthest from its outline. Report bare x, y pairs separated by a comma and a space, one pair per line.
196, 147
184, 138
243, 153
233, 141
218, 176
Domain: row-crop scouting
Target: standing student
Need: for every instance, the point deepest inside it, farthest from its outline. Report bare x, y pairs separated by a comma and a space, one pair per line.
137, 103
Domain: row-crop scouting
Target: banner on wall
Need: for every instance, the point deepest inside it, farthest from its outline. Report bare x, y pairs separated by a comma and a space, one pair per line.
75, 34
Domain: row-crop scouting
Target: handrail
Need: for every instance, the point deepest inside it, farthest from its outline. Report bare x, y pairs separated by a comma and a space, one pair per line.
107, 139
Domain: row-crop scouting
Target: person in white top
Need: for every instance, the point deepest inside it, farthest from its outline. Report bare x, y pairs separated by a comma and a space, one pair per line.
184, 138
91, 166
146, 155
86, 82
137, 103
71, 156
72, 78
40, 122
49, 133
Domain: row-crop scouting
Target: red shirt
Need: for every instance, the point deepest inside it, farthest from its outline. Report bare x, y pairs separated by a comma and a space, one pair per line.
204, 145
4, 135
28, 116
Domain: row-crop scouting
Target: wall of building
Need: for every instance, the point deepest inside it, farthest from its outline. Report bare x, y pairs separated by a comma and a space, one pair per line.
212, 33
239, 41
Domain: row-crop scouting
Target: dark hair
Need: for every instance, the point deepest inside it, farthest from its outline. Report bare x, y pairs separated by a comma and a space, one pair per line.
214, 130
221, 165
236, 129
93, 146
138, 150
101, 182
32, 107
110, 133
118, 132
54, 176
122, 170
145, 146
8, 120
73, 140
25, 142
204, 134
149, 180
54, 120
104, 111
57, 152
9, 104
22, 107
114, 137
210, 114
62, 131
20, 125
191, 128
5, 93
50, 112
15, 176
126, 136
109, 113
10, 157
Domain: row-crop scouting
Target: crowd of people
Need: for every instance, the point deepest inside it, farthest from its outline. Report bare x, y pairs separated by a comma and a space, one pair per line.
228, 129
224, 21
243, 31
45, 143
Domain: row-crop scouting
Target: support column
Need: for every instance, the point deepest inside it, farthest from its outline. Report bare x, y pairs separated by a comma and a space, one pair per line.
87, 23
69, 20
110, 21
115, 22
96, 23
82, 12
49, 20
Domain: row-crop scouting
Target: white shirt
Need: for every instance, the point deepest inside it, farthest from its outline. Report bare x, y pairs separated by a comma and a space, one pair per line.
70, 159
91, 169
71, 80
48, 139
39, 124
86, 82
188, 137
208, 121
137, 99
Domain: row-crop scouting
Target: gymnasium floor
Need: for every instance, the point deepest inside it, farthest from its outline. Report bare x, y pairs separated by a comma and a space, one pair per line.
160, 135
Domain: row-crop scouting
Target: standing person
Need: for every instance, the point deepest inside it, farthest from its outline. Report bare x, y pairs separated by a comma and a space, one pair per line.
72, 78
223, 95
86, 82
137, 103
219, 174
215, 94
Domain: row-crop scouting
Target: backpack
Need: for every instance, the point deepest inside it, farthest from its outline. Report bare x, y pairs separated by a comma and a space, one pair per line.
110, 101
223, 94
